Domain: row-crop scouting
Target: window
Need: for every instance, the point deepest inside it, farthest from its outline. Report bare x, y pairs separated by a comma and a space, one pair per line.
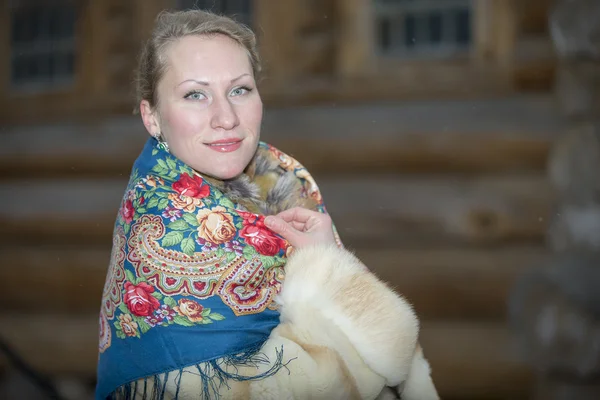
240, 10
422, 28
42, 45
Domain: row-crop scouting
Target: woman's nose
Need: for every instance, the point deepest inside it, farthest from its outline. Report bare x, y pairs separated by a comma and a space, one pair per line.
224, 115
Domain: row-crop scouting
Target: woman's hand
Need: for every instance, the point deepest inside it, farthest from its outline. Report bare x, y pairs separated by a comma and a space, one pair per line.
302, 227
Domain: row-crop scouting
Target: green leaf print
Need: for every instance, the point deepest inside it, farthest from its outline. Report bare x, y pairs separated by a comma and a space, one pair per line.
153, 202
171, 163
230, 257
205, 312
157, 295
143, 325
158, 169
123, 308
162, 163
179, 225
191, 219
216, 317
170, 302
163, 203
188, 246
267, 262
130, 277
225, 202
184, 169
172, 238
178, 319
249, 252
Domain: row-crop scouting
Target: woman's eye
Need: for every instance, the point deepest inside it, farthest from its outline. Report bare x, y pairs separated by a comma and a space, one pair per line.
195, 96
240, 91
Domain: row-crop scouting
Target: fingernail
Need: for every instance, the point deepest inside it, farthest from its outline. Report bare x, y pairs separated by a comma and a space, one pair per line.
269, 221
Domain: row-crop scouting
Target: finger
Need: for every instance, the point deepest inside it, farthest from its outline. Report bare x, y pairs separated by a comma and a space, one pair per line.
282, 228
299, 226
298, 214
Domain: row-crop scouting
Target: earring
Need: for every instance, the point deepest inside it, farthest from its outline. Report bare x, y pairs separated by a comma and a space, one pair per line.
161, 143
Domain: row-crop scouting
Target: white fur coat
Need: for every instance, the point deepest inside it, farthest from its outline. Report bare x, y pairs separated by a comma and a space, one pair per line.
346, 334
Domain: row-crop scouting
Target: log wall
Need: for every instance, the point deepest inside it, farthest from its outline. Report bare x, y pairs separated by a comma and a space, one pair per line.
434, 173
449, 210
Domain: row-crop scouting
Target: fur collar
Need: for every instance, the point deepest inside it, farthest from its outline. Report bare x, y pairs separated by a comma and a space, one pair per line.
265, 187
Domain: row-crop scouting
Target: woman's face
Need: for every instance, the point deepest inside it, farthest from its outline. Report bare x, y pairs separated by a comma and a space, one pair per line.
209, 110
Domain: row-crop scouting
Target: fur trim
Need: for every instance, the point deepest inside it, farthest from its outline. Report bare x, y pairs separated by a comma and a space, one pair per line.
378, 322
265, 187
418, 385
241, 189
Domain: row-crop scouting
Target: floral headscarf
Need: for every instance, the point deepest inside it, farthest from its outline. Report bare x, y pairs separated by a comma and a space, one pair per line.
193, 269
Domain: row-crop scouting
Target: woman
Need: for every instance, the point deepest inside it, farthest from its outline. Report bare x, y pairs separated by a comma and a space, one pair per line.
193, 305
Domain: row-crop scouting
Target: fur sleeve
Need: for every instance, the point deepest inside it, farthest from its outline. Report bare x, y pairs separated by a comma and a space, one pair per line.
380, 324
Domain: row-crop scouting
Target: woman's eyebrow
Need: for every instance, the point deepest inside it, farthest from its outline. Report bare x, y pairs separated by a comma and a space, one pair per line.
204, 83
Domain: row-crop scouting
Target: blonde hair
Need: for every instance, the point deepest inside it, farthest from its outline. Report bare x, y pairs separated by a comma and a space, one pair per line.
174, 25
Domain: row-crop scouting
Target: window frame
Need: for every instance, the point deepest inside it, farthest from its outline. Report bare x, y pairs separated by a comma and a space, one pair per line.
447, 49
69, 45
484, 67
18, 106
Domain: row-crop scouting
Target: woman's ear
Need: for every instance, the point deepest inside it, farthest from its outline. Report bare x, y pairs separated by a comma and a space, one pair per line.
149, 118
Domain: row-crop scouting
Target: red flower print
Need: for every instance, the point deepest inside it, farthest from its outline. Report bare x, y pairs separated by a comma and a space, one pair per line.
249, 218
139, 299
127, 211
262, 239
191, 186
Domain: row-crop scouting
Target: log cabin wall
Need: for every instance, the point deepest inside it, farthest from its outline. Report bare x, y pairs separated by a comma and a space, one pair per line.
313, 51
442, 149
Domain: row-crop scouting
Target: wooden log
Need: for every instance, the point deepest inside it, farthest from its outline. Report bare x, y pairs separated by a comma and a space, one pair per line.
468, 360
54, 344
355, 38
573, 165
475, 360
554, 388
447, 283
439, 282
554, 316
278, 24
534, 66
383, 211
65, 279
577, 87
575, 227
445, 136
574, 28
378, 212
455, 153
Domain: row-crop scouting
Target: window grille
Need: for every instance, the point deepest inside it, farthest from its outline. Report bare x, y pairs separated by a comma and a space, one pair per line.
422, 28
42, 45
240, 10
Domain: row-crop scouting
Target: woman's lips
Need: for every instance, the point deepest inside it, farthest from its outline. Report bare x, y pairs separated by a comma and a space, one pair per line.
225, 146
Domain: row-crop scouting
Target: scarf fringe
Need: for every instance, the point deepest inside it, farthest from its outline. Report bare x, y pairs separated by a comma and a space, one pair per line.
213, 375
